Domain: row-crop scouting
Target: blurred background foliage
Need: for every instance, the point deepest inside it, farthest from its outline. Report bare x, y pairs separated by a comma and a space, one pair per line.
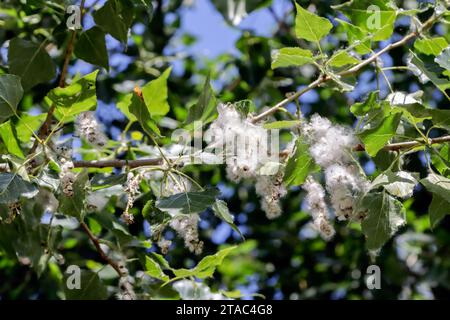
280, 259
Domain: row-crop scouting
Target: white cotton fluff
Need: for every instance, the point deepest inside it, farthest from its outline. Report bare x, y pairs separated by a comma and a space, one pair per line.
186, 227
88, 128
331, 146
244, 144
315, 201
329, 143
67, 178
271, 190
246, 150
132, 190
344, 183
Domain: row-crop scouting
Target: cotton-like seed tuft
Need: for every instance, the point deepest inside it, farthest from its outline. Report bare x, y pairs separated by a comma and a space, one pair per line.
88, 128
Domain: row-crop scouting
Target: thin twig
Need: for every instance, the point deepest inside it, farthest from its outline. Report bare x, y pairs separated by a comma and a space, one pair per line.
324, 78
118, 163
44, 129
407, 144
102, 253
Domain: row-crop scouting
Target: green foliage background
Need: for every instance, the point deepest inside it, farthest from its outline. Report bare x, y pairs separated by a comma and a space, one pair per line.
274, 260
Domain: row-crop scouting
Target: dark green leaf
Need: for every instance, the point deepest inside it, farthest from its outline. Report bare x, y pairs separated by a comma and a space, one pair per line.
91, 287
438, 209
75, 206
189, 202
205, 108
115, 18
31, 62
11, 93
91, 47
138, 108
385, 215
13, 187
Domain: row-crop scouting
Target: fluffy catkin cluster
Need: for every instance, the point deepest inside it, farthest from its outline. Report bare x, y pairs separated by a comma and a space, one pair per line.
246, 149
131, 189
315, 201
330, 146
88, 128
14, 209
271, 190
67, 177
244, 144
186, 227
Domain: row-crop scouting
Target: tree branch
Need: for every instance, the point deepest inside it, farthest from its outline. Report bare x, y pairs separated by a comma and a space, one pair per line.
158, 161
102, 253
324, 78
118, 163
407, 144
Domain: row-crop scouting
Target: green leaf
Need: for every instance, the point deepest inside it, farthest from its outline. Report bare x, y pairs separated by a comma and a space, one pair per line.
220, 209
205, 108
355, 35
441, 160
189, 202
400, 184
438, 209
429, 70
374, 16
28, 124
385, 215
309, 26
342, 58
91, 287
285, 124
418, 113
104, 181
206, 267
370, 104
375, 139
287, 57
153, 269
75, 206
155, 95
138, 108
244, 106
431, 46
9, 139
124, 104
115, 18
13, 187
438, 185
11, 93
31, 62
299, 165
78, 97
444, 59
91, 47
